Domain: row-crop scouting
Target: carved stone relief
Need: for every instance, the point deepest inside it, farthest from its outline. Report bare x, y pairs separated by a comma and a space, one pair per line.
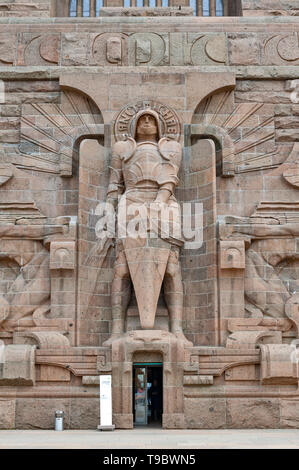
38, 48
63, 255
110, 48
49, 132
135, 49
271, 272
270, 277
30, 289
265, 291
291, 167
26, 287
232, 255
244, 146
7, 48
281, 49
150, 48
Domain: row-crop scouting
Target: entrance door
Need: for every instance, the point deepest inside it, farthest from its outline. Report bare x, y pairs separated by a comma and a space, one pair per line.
147, 394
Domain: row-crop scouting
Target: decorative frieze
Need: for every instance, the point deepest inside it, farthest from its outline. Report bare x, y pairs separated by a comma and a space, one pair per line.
151, 48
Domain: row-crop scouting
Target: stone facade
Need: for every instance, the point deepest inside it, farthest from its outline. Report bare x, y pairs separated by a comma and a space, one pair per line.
270, 7
226, 90
21, 8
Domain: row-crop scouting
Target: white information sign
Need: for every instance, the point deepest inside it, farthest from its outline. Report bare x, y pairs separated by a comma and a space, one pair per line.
106, 400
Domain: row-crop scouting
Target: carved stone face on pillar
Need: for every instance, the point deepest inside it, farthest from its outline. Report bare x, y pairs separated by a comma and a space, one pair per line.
142, 183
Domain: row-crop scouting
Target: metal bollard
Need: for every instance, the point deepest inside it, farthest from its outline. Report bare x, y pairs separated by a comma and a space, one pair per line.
59, 420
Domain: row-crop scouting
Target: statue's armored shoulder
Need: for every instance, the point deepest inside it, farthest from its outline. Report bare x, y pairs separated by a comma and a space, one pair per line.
171, 150
125, 148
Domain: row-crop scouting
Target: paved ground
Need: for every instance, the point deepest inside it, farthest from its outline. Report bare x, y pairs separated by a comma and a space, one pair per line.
152, 439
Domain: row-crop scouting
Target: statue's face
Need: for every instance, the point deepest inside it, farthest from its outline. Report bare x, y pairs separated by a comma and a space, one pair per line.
147, 125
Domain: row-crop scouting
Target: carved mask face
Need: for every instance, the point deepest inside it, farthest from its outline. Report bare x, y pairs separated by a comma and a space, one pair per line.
147, 125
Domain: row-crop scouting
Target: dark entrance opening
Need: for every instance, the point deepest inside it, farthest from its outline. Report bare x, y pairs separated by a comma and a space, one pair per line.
147, 394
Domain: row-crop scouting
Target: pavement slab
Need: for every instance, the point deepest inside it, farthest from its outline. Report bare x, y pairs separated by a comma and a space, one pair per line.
141, 438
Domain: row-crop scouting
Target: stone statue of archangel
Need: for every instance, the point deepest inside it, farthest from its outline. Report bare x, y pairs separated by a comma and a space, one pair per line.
143, 177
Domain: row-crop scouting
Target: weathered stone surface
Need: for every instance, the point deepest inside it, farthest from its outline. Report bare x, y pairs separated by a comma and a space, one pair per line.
289, 413
173, 421
39, 413
206, 413
84, 413
248, 413
53, 374
232, 255
63, 255
198, 380
244, 49
287, 135
270, 7
7, 414
7, 48
74, 49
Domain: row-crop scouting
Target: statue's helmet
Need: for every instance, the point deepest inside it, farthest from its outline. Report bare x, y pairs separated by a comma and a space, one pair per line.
151, 112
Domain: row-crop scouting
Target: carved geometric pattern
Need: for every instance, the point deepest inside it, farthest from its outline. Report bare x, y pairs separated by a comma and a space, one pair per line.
281, 49
79, 361
217, 363
246, 131
50, 132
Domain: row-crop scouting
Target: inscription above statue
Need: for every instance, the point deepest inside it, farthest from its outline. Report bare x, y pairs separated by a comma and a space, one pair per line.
169, 124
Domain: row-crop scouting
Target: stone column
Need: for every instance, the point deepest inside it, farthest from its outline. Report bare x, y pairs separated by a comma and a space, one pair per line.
60, 8
113, 3
231, 282
63, 268
199, 7
212, 7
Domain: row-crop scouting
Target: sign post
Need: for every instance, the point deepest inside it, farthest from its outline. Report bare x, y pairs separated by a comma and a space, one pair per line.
106, 403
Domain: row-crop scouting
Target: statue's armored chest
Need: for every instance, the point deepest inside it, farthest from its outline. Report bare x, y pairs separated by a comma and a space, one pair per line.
143, 165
